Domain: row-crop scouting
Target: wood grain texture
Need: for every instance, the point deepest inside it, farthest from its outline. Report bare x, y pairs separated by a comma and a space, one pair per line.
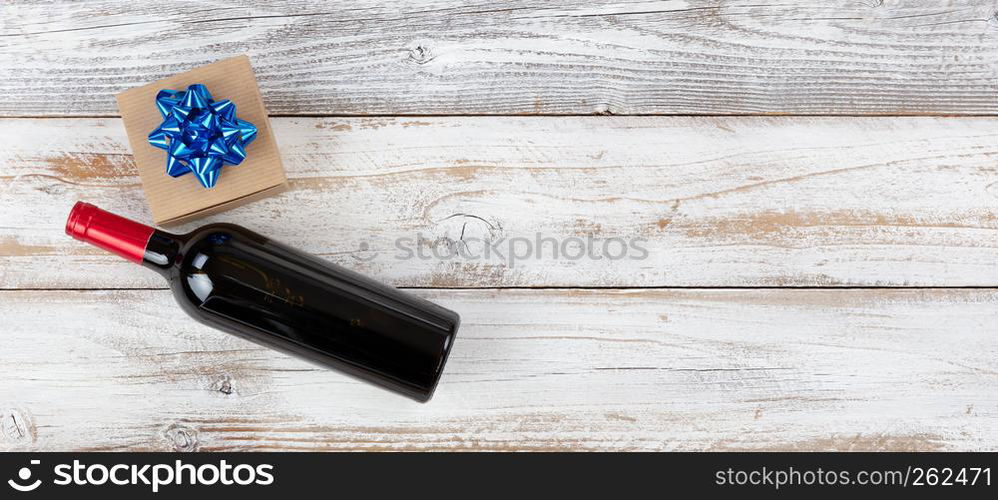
724, 201
531, 370
519, 57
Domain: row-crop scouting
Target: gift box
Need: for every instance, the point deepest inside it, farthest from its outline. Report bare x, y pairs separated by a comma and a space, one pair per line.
254, 173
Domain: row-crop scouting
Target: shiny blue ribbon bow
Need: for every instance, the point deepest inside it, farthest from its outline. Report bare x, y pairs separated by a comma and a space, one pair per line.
200, 134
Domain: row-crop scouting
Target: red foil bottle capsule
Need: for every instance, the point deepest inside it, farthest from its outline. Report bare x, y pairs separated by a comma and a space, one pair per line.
113, 233
238, 281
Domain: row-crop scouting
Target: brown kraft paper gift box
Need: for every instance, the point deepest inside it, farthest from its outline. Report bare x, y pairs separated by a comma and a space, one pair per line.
174, 200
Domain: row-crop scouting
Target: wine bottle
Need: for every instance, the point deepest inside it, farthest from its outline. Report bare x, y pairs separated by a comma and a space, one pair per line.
238, 281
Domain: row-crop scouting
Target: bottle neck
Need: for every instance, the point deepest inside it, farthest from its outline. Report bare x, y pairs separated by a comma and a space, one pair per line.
131, 240
162, 251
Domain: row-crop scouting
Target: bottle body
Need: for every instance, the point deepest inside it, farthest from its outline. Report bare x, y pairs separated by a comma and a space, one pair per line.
246, 284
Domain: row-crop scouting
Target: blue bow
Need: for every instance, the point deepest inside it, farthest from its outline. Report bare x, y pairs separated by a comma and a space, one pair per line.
199, 134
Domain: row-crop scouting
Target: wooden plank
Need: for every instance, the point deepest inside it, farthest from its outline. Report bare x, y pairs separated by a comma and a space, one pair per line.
735, 201
557, 57
809, 370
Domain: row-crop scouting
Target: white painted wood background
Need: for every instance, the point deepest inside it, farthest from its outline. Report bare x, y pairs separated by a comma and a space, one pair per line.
812, 282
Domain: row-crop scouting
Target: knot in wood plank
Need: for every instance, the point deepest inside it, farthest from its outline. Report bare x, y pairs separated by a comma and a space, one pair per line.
421, 52
16, 426
182, 438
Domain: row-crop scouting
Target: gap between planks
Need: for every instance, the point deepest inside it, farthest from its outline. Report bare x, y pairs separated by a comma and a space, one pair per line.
569, 288
555, 115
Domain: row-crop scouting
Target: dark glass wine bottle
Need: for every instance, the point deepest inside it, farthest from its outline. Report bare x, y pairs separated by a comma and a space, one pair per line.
238, 281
